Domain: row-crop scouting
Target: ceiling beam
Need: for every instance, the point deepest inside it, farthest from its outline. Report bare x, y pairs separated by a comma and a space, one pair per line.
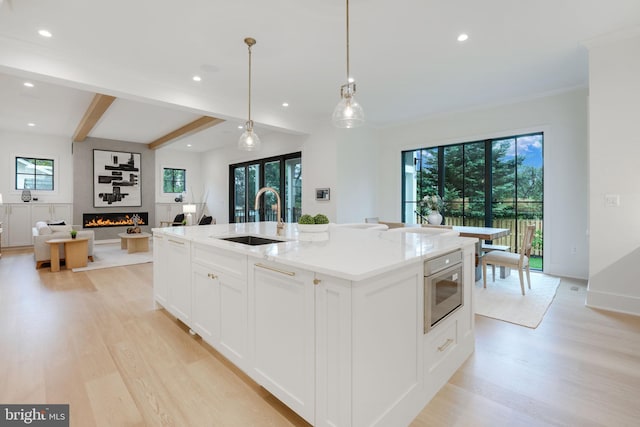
98, 106
197, 125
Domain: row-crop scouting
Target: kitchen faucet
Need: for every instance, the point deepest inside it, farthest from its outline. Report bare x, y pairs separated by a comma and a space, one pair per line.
280, 225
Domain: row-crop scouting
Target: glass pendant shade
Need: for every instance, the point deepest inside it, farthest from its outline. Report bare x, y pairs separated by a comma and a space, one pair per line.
348, 113
249, 140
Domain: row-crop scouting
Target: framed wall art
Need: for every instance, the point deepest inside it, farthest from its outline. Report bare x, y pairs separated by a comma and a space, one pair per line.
116, 179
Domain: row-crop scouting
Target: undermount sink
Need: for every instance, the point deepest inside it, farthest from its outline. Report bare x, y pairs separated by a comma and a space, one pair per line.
251, 240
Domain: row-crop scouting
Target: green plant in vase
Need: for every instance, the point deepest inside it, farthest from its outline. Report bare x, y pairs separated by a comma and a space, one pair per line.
306, 219
73, 233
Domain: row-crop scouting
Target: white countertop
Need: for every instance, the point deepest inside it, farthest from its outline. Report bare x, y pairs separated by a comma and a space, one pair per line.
345, 252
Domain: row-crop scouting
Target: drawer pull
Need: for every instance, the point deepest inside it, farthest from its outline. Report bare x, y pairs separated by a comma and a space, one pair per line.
316, 281
176, 241
277, 270
444, 346
211, 276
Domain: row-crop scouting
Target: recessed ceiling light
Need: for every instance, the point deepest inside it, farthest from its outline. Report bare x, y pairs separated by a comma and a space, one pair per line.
197, 78
240, 127
28, 84
188, 145
31, 124
45, 33
285, 104
463, 37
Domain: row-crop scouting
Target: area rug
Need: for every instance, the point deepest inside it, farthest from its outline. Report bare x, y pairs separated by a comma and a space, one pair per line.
503, 299
107, 255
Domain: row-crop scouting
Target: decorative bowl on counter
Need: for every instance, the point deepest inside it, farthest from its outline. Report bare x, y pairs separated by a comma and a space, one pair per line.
312, 228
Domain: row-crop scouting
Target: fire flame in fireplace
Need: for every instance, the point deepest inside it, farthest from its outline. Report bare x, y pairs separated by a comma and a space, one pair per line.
102, 222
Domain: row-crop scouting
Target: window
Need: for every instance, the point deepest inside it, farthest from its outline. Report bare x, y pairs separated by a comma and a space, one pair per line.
34, 174
283, 173
490, 183
174, 180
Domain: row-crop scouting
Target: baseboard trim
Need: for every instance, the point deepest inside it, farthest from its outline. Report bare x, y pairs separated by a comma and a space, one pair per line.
613, 302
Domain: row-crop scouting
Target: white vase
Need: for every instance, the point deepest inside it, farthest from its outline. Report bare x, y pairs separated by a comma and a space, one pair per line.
434, 218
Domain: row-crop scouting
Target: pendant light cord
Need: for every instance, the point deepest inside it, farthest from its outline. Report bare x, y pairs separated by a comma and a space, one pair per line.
348, 74
249, 103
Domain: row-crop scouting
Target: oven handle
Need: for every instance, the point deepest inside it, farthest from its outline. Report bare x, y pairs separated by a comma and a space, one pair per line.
446, 270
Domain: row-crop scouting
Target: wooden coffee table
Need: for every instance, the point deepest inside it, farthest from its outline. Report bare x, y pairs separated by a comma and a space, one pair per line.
76, 252
134, 242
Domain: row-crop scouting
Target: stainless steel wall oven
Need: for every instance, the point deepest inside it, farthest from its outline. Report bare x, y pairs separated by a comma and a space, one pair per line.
443, 287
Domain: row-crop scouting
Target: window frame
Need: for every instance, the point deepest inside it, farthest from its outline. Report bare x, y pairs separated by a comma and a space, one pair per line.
520, 207
35, 174
248, 204
184, 170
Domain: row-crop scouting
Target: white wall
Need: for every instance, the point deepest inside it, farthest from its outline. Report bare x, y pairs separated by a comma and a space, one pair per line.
357, 193
614, 150
26, 144
562, 118
191, 162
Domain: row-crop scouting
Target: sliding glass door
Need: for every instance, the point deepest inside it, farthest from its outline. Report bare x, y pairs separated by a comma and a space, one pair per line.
490, 183
282, 173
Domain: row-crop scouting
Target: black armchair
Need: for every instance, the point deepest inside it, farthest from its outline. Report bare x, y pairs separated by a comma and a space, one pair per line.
178, 220
206, 220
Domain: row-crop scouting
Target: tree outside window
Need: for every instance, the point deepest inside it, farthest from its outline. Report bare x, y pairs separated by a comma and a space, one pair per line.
174, 180
491, 183
34, 174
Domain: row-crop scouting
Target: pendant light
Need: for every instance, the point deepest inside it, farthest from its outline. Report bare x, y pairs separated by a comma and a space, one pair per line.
348, 113
249, 140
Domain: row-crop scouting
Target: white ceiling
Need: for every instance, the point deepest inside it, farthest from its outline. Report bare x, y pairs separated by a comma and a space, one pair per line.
404, 57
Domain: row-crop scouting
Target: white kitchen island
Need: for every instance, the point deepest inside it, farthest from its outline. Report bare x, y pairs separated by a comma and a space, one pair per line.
331, 324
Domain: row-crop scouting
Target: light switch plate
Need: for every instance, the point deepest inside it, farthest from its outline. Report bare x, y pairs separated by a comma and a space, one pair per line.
612, 200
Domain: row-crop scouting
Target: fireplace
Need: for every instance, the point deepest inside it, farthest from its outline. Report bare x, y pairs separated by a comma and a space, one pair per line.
119, 219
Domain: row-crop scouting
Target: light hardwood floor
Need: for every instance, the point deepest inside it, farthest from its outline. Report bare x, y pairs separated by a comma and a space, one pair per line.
93, 340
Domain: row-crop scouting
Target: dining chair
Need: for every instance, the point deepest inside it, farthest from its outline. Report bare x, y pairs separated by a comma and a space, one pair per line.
511, 260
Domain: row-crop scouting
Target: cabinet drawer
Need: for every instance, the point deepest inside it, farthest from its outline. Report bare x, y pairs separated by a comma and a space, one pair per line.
440, 344
221, 260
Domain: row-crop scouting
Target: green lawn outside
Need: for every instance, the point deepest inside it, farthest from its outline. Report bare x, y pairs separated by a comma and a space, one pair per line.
535, 263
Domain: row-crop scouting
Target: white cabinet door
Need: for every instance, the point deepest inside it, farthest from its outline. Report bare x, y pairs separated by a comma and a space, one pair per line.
233, 318
18, 225
387, 328
178, 274
205, 307
3, 224
282, 333
51, 212
160, 266
333, 351
220, 300
40, 212
62, 212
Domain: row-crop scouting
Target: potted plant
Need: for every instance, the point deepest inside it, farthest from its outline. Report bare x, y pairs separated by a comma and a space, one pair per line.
433, 205
313, 224
73, 233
